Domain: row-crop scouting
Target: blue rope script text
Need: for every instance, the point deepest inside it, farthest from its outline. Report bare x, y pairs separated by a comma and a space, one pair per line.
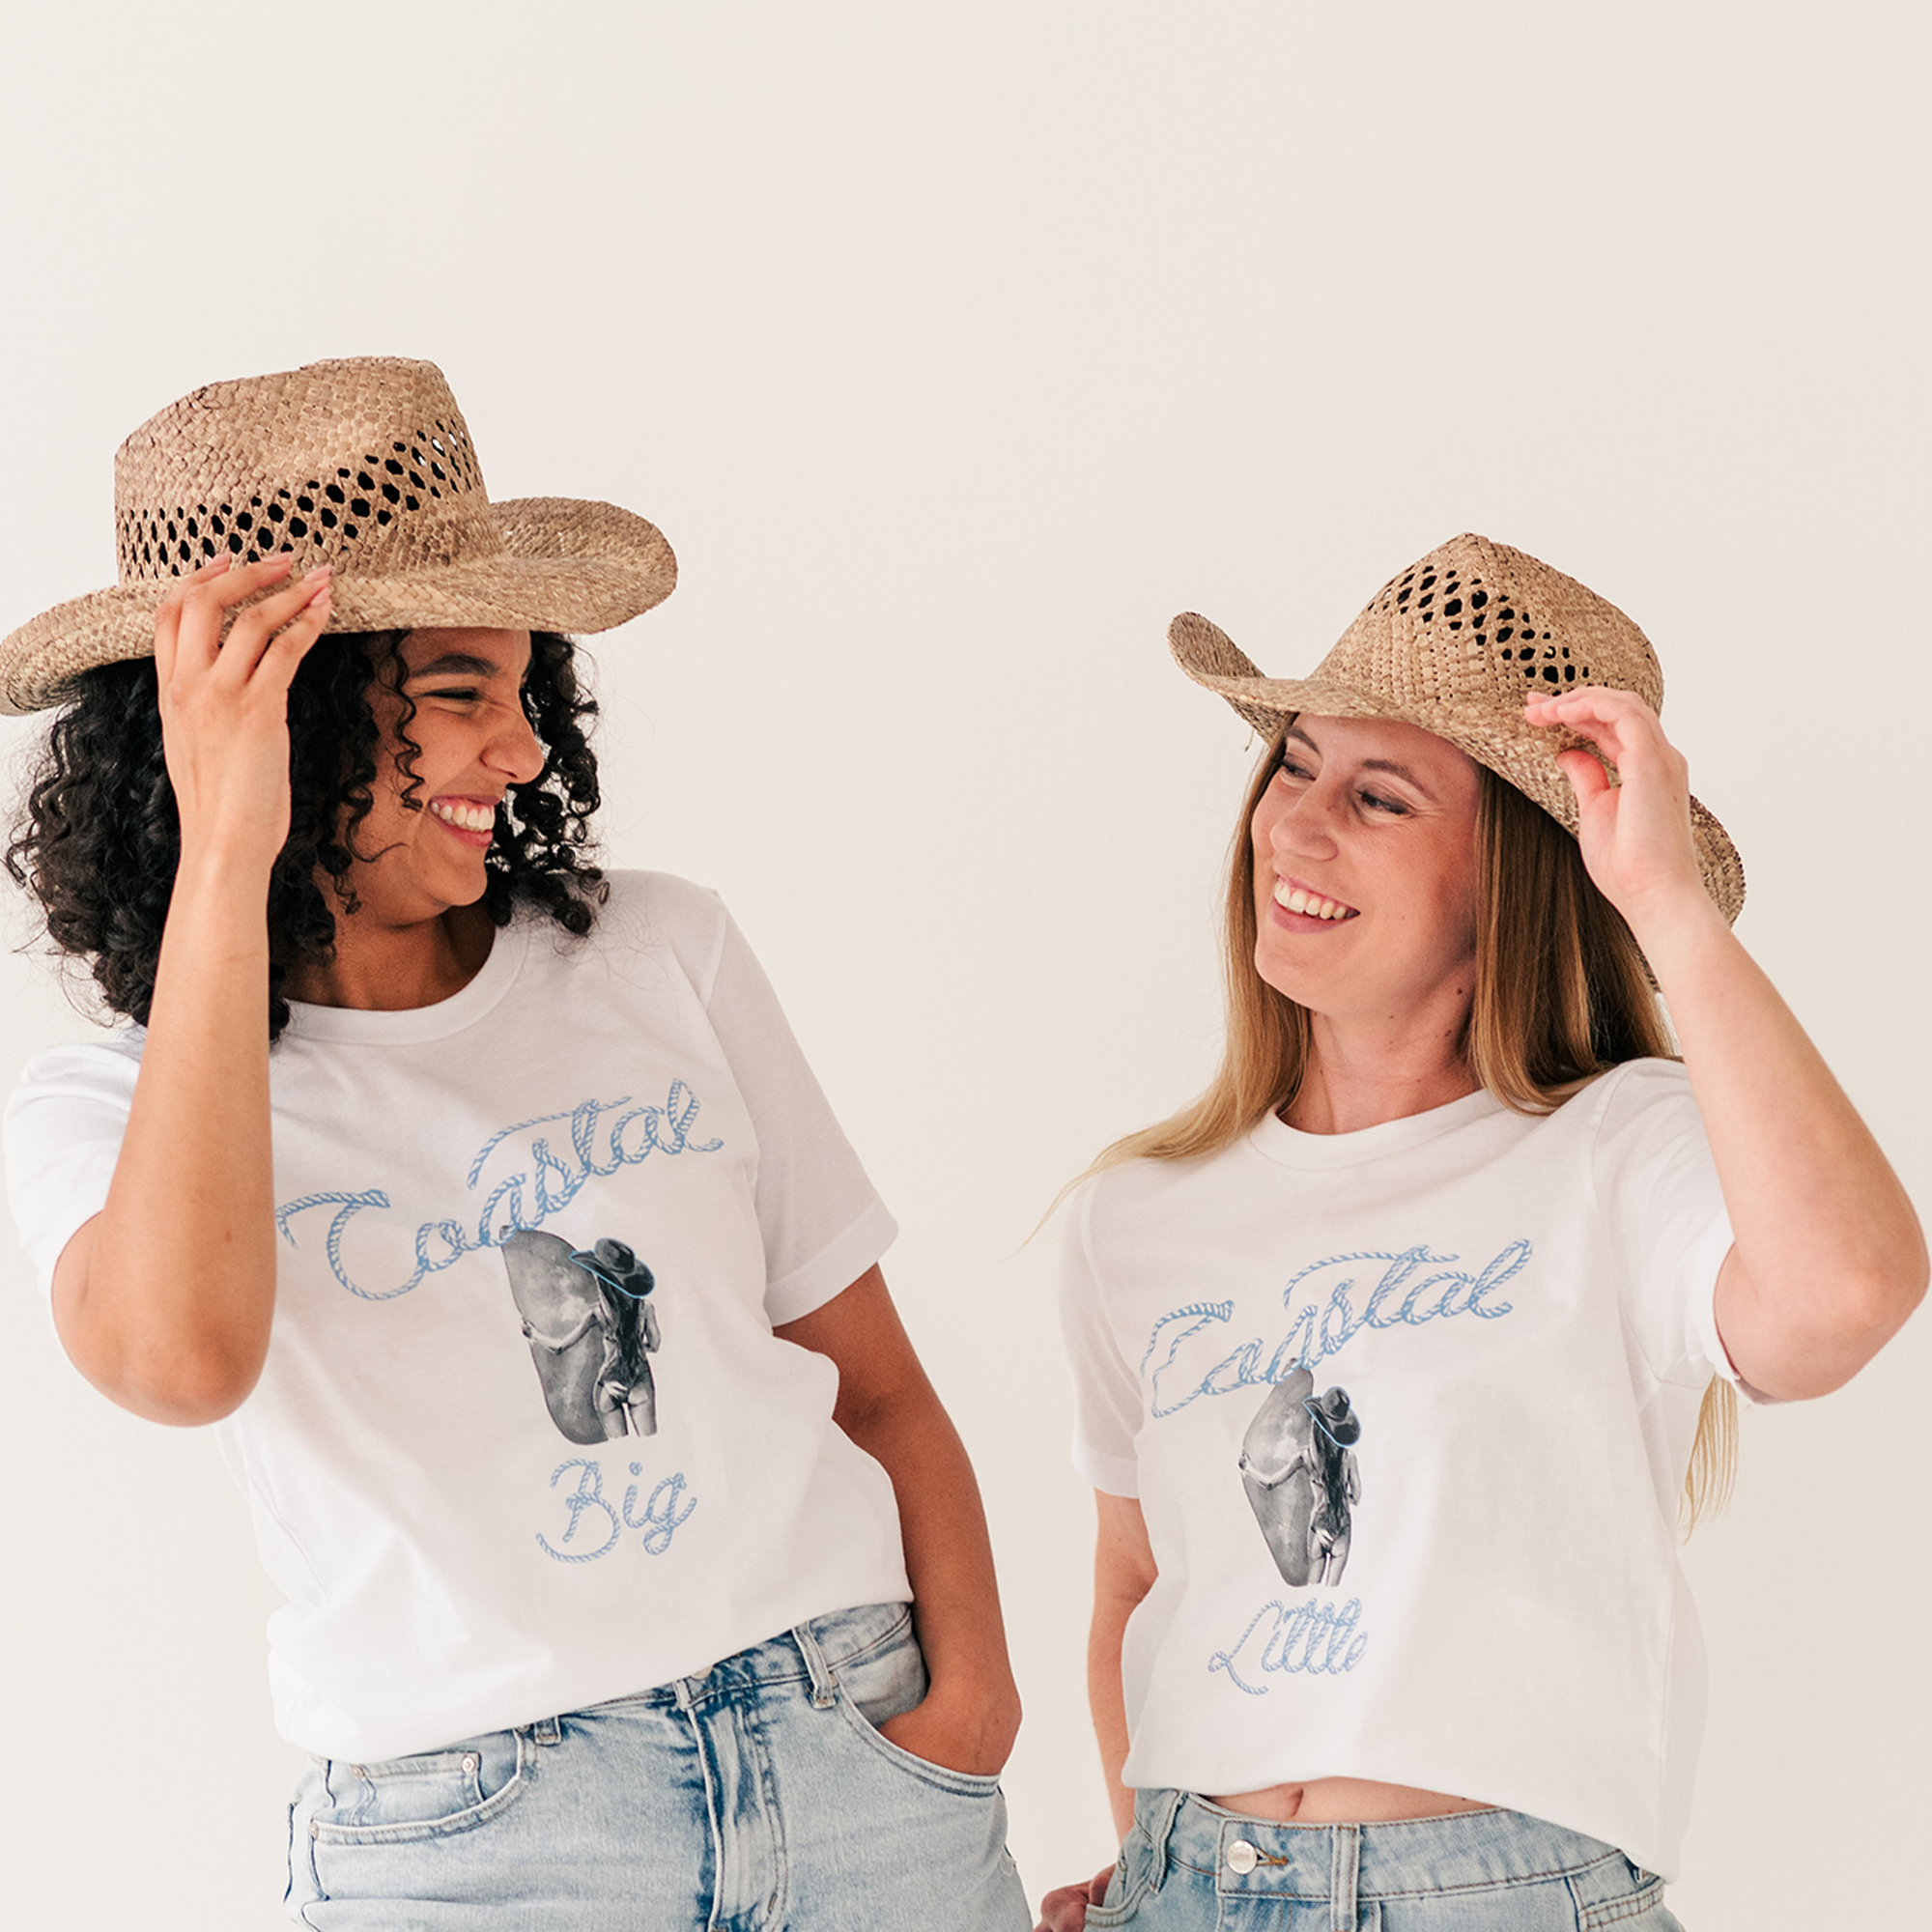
519, 1179
1284, 1640
1187, 1353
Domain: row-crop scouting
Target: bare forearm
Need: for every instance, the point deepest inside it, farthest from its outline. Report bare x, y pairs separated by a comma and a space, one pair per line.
1124, 1572
1107, 1701
949, 1563
1829, 1253
886, 1404
164, 1300
166, 1303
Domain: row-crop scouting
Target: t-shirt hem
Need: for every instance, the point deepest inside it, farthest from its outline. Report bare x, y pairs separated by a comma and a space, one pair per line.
483, 1716
1646, 1846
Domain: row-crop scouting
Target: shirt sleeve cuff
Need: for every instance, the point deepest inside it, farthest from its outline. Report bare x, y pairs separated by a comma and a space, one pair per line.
834, 1269
1114, 1475
1704, 1329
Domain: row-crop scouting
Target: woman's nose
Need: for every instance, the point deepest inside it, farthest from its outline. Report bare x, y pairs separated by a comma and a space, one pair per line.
516, 751
1304, 825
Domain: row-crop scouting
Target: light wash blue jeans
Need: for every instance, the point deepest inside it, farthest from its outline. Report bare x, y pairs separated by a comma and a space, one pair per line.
1189, 1866
757, 1797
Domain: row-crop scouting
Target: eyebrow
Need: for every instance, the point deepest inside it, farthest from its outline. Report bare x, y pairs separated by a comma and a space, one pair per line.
1389, 765
455, 663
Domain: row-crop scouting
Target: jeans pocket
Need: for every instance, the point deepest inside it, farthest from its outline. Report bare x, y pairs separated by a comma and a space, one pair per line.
1639, 1907
884, 1672
1128, 1886
941, 1776
881, 1680
400, 1799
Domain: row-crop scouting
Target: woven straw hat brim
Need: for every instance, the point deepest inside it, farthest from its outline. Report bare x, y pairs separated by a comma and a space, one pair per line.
566, 564
1511, 747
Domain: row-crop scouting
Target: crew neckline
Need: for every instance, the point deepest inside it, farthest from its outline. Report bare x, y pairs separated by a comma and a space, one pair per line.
1290, 1146
413, 1025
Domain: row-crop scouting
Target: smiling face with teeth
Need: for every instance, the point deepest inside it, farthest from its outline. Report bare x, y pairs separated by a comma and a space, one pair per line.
423, 843
1365, 876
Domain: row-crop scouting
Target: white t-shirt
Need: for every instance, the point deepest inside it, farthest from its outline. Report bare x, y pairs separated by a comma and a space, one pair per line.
524, 1440
1408, 1412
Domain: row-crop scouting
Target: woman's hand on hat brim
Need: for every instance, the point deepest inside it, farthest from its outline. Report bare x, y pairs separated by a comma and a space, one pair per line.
224, 702
1828, 1257
1634, 828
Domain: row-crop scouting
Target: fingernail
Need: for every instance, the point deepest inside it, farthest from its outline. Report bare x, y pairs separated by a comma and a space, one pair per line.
321, 569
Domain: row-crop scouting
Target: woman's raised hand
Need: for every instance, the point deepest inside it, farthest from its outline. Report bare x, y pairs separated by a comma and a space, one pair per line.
1635, 832
225, 705
166, 1299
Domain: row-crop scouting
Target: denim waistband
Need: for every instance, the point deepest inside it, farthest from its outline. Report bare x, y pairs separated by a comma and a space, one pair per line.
1467, 1851
811, 1653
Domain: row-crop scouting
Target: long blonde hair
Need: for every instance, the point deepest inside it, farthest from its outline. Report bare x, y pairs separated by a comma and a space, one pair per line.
1562, 995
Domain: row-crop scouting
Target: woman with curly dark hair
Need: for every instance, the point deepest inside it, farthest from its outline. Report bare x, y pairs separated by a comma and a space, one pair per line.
412, 1100
102, 838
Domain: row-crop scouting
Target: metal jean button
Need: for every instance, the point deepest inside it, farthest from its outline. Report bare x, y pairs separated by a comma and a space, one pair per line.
1242, 1857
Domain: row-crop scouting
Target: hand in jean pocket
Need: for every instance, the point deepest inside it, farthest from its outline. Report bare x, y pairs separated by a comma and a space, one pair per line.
1065, 1910
971, 1733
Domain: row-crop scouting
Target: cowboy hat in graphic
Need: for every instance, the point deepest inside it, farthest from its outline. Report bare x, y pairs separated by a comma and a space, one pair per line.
366, 465
1299, 1478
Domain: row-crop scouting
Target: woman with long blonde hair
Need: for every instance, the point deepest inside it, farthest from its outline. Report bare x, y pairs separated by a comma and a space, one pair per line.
1400, 1352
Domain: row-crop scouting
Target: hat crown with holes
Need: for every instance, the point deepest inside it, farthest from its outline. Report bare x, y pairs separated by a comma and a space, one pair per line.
1475, 621
366, 465
378, 467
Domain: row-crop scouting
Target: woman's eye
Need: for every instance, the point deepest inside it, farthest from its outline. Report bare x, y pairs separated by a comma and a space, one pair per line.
1376, 803
1289, 769
457, 694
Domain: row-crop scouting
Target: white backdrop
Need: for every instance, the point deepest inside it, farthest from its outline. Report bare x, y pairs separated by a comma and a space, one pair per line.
955, 349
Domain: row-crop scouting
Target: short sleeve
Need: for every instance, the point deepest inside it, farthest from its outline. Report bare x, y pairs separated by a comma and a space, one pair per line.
1106, 1389
822, 1222
1665, 1219
63, 1125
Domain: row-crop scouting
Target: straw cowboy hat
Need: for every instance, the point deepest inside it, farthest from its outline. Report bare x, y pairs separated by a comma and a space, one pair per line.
363, 464
1455, 644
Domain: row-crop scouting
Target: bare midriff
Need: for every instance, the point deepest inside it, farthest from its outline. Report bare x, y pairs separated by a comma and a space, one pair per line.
1345, 1801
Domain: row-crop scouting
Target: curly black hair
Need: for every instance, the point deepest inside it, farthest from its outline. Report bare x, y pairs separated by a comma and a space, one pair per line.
98, 838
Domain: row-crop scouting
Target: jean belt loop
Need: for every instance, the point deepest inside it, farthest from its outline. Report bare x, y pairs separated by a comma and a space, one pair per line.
546, 1731
824, 1679
1162, 1807
1345, 1864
